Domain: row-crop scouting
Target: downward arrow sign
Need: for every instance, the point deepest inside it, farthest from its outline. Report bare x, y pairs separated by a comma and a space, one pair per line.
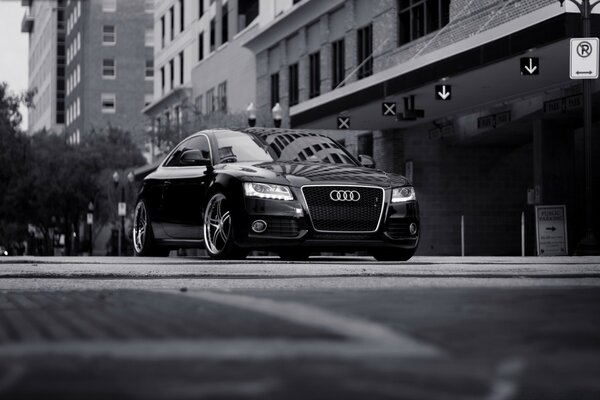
444, 92
530, 68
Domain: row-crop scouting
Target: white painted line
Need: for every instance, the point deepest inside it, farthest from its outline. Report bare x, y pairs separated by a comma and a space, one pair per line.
233, 349
505, 386
352, 328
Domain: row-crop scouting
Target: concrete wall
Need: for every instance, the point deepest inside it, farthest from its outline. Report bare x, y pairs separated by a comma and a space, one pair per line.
233, 64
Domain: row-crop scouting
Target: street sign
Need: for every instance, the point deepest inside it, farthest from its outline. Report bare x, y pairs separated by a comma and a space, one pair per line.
584, 58
530, 66
122, 209
551, 230
388, 109
90, 218
343, 122
443, 92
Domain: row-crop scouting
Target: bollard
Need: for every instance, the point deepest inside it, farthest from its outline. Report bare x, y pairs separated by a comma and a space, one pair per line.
523, 234
462, 235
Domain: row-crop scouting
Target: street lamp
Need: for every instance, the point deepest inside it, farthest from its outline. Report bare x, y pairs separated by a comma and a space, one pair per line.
588, 244
277, 115
251, 111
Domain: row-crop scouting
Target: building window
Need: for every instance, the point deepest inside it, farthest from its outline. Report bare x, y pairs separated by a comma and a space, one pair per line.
181, 68
148, 97
162, 79
364, 48
199, 104
149, 37
418, 18
162, 31
172, 20
247, 12
212, 35
210, 101
274, 89
181, 16
109, 103
149, 6
293, 84
222, 92
109, 5
338, 65
109, 69
109, 35
200, 8
314, 75
172, 68
224, 24
201, 46
149, 69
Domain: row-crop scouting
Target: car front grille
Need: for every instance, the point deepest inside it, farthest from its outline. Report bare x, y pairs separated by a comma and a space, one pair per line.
347, 214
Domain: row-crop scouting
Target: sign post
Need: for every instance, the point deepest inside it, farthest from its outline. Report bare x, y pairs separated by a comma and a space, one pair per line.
551, 230
584, 49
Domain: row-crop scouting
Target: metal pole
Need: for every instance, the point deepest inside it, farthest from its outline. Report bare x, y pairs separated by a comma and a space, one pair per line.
589, 244
523, 234
462, 235
122, 231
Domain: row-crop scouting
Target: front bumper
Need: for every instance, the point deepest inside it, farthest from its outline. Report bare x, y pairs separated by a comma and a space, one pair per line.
289, 225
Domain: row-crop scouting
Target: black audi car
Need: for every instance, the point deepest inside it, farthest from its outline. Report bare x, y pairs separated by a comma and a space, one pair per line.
292, 192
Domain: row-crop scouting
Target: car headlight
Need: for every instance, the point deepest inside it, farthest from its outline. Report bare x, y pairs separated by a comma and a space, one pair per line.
267, 191
403, 194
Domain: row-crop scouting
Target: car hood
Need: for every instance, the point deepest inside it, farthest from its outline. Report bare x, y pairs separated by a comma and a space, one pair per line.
298, 174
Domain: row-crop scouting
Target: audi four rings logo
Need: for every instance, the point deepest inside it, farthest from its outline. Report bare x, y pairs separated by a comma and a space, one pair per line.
344, 195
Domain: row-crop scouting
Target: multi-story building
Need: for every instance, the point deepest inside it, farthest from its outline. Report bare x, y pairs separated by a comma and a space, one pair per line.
44, 21
202, 70
109, 66
479, 109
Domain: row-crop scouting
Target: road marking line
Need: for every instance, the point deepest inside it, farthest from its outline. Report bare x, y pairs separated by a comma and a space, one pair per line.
505, 385
230, 349
353, 328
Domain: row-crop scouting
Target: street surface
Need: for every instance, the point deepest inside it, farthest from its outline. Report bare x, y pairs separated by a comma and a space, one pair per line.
346, 327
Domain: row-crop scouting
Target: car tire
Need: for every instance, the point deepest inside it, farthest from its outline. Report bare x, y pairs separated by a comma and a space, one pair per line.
393, 254
218, 230
143, 237
294, 255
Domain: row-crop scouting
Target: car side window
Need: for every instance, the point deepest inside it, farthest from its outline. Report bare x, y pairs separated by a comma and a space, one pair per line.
195, 143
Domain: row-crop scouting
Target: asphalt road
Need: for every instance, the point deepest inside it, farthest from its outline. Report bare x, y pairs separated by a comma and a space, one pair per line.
352, 328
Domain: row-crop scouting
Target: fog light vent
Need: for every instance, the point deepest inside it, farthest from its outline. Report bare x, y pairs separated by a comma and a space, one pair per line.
413, 229
259, 226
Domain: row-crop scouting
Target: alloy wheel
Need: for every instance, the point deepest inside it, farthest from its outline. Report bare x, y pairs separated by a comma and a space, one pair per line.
217, 224
140, 226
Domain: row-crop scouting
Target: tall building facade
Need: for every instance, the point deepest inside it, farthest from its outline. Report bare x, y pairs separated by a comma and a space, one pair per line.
483, 138
44, 21
202, 69
109, 66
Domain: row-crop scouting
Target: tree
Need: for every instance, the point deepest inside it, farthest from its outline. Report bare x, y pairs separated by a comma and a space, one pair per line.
14, 153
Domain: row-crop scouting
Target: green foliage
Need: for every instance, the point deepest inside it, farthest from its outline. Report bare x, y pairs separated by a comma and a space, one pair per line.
47, 182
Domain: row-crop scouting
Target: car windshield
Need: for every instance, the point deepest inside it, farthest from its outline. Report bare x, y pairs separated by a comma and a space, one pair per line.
241, 147
307, 147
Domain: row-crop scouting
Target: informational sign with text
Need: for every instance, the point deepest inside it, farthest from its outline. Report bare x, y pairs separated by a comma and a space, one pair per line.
551, 230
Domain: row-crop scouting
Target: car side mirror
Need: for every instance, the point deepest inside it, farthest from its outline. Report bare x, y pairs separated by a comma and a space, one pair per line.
366, 161
193, 157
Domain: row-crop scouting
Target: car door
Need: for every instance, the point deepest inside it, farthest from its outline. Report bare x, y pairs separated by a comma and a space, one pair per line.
184, 192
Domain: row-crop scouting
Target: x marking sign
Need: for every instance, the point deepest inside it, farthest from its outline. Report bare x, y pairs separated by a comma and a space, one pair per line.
343, 122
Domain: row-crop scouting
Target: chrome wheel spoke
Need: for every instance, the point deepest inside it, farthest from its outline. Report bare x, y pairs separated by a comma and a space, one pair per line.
217, 224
